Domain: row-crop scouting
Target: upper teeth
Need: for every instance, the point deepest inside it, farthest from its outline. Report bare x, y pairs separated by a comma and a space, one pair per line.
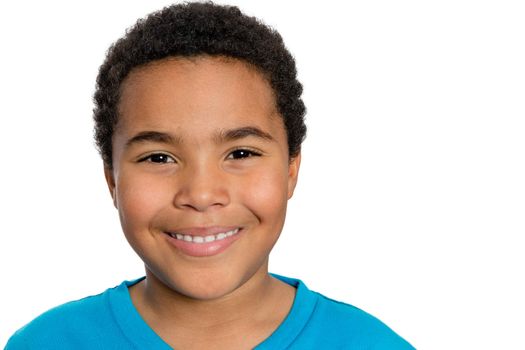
204, 239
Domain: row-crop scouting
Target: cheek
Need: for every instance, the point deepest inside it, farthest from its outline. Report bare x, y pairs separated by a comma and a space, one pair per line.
139, 200
266, 196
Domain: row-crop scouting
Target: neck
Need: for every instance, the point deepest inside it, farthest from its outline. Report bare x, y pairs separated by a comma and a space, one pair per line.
178, 308
256, 308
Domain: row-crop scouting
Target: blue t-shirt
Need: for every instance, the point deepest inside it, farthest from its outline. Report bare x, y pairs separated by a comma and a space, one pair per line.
110, 321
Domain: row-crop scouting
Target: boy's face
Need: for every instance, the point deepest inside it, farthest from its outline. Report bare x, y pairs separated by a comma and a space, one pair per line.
201, 153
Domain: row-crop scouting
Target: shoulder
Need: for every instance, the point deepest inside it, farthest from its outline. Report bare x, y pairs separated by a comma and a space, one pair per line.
347, 314
317, 321
356, 326
62, 326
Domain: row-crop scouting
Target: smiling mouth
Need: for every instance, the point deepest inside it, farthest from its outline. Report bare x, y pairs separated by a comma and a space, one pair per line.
204, 239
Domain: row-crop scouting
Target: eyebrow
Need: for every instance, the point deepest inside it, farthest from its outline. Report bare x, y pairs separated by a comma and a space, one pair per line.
221, 136
153, 136
239, 133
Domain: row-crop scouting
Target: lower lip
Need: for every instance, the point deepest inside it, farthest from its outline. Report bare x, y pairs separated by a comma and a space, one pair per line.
203, 249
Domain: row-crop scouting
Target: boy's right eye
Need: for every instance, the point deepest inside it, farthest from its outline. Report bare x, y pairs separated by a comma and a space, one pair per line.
159, 158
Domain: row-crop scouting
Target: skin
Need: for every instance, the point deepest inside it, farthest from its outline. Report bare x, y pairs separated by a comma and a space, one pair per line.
200, 174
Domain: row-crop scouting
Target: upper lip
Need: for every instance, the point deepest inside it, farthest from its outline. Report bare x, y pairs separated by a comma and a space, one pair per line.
204, 231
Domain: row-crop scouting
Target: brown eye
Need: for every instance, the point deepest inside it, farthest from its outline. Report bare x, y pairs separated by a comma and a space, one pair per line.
159, 158
242, 153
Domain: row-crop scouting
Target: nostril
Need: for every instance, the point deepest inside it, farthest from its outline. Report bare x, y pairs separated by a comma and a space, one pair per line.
201, 199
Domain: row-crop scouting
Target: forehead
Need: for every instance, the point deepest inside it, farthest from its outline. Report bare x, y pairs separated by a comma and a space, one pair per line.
201, 92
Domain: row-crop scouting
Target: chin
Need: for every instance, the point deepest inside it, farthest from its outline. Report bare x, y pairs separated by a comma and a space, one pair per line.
200, 286
210, 290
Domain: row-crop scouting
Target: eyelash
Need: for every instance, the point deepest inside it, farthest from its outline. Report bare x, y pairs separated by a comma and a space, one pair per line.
240, 153
166, 158
246, 153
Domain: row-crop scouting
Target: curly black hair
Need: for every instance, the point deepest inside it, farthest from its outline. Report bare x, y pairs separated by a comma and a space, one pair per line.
193, 29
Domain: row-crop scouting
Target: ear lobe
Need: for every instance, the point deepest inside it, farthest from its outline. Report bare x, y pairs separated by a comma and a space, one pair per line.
110, 181
293, 173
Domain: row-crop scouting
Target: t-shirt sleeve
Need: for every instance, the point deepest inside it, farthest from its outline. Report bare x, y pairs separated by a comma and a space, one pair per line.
16, 342
392, 341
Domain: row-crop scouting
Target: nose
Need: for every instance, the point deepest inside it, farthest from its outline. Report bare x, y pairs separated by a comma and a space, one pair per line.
201, 189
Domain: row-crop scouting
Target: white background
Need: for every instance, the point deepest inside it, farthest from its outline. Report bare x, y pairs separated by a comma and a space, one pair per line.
411, 199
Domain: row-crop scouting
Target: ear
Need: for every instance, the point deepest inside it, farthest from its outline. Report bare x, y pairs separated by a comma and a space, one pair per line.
293, 172
110, 181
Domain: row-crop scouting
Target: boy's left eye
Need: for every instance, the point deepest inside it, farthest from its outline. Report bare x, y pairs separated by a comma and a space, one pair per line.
242, 153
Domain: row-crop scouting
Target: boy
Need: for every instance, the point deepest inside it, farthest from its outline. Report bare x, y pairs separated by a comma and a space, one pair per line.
199, 121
